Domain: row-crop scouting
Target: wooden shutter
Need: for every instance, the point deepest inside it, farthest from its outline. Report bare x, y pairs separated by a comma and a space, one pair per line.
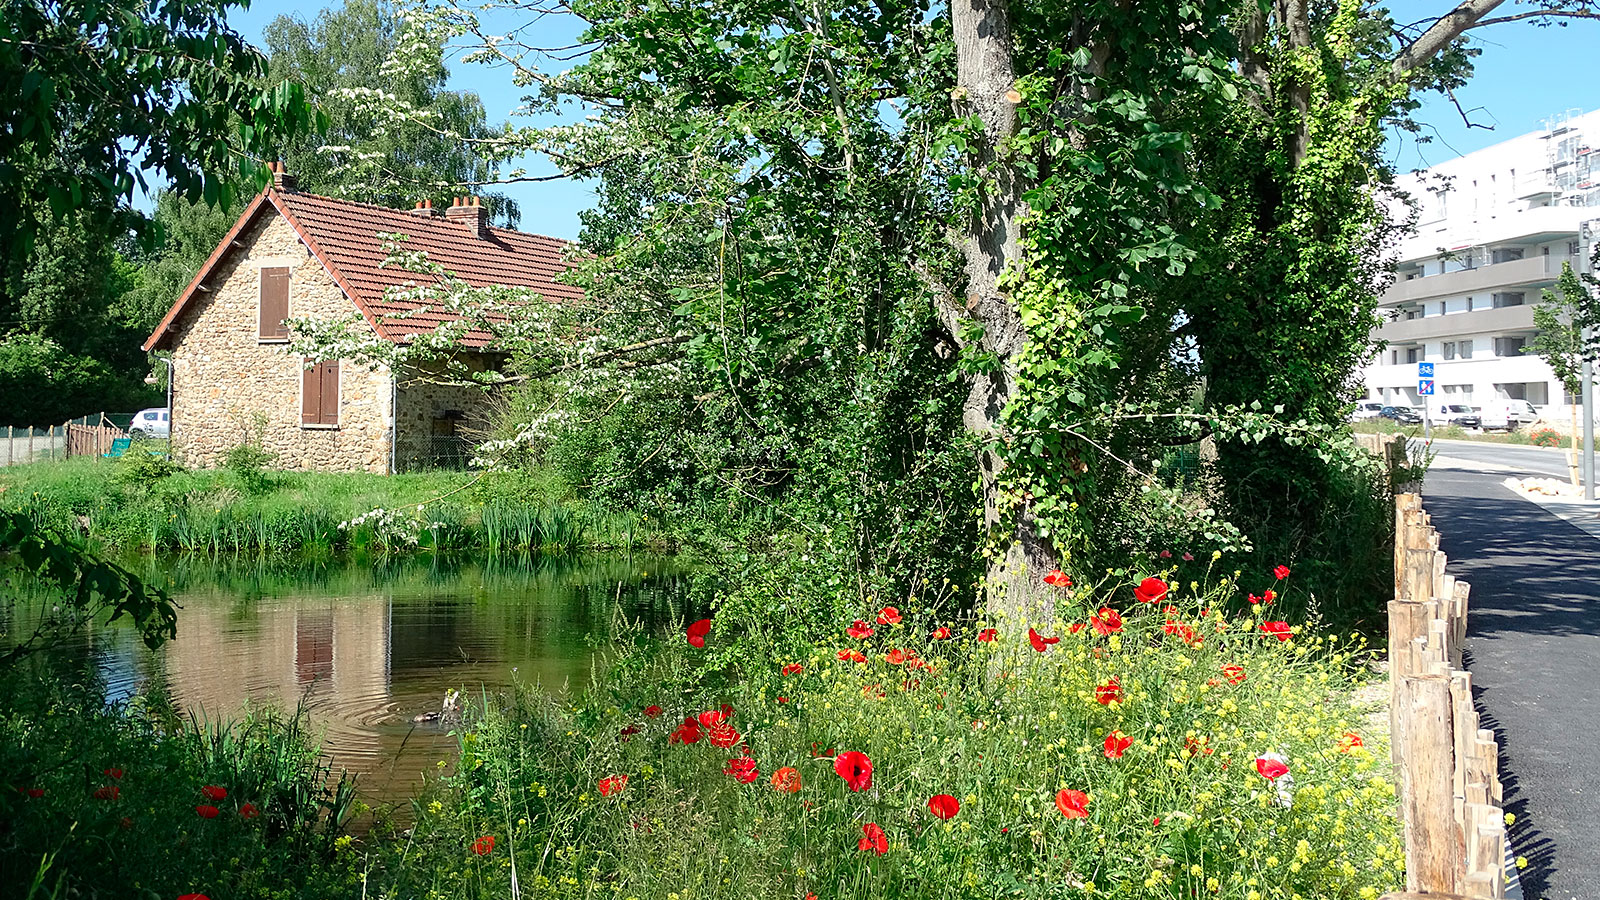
274, 303
311, 393
330, 392
319, 394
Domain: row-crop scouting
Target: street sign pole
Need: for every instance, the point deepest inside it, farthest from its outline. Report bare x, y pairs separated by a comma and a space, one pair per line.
1425, 391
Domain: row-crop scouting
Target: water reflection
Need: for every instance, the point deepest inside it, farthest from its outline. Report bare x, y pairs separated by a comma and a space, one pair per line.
368, 648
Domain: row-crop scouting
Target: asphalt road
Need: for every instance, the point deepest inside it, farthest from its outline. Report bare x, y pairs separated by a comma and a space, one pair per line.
1517, 459
1533, 647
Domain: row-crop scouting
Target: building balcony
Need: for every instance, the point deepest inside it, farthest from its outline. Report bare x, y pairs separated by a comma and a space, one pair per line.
1479, 321
1481, 280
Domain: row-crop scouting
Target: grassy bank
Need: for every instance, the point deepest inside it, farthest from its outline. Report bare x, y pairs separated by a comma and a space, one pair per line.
1523, 437
146, 504
1162, 751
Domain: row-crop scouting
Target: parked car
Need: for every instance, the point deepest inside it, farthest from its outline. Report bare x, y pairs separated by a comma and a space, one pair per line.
1457, 414
1508, 415
1403, 415
1366, 409
150, 423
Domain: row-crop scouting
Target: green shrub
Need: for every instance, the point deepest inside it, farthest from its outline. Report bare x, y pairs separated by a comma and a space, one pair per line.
1545, 437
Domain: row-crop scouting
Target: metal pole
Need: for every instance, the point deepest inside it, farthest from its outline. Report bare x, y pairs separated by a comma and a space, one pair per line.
1584, 237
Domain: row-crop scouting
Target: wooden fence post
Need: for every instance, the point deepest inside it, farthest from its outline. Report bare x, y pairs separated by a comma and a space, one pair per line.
1432, 845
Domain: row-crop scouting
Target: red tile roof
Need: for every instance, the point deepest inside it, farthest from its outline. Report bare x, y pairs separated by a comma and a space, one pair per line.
343, 235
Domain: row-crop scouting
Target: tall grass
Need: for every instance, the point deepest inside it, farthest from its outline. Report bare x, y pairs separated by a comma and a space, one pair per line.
125, 506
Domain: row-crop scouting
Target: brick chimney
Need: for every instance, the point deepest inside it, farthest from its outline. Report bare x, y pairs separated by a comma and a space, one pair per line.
425, 210
281, 179
471, 212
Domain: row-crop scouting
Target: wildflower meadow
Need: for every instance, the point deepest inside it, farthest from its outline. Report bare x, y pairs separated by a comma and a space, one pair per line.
1136, 742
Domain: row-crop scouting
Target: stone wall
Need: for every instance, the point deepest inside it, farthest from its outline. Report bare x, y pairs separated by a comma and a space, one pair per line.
225, 377
435, 419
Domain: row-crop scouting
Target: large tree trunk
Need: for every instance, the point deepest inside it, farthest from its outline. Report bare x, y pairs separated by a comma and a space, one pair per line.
985, 78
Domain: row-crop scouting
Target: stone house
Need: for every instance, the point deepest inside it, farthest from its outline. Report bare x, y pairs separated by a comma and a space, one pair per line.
293, 254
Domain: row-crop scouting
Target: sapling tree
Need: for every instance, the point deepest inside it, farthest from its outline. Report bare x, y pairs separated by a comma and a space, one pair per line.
1568, 318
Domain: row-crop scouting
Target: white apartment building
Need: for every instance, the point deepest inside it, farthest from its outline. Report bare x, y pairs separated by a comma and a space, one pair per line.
1493, 230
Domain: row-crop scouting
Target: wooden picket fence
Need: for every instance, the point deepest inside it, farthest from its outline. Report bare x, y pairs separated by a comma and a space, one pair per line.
1446, 766
92, 440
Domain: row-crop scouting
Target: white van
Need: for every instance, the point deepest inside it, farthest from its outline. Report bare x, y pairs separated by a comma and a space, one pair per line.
1508, 415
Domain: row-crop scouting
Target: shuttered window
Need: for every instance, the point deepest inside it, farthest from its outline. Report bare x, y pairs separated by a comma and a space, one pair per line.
319, 393
274, 304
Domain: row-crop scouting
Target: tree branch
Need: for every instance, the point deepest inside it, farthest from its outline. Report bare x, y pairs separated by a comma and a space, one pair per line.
1450, 26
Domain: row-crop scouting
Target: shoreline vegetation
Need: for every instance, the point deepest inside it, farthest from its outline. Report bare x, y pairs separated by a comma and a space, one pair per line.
148, 505
1143, 744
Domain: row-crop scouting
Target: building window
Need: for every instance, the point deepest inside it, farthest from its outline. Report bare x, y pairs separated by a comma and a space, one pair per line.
1508, 299
1411, 354
1572, 248
1464, 349
1506, 254
1509, 346
1449, 349
319, 394
274, 306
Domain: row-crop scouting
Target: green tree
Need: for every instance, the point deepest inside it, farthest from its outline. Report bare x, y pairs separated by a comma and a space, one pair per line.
446, 145
1114, 234
1562, 317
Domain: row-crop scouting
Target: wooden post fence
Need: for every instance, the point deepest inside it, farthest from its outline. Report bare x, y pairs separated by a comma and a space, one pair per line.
1446, 767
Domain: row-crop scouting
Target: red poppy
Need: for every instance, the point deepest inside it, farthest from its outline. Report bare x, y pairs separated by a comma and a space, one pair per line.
793, 669
109, 792
855, 768
697, 633
874, 840
1116, 743
625, 734
859, 630
889, 615
35, 793
206, 811
248, 811
1234, 674
783, 699
1190, 636
483, 846
1039, 642
742, 768
1108, 693
1106, 621
1166, 554
895, 657
712, 717
214, 793
1196, 746
943, 806
855, 656
1271, 767
114, 773
194, 897
1057, 578
723, 736
786, 780
613, 785
1349, 742
1073, 804
1188, 557
652, 711
941, 633
1075, 627
1150, 590
1269, 595
987, 635
1279, 630
1254, 600
687, 733
1281, 572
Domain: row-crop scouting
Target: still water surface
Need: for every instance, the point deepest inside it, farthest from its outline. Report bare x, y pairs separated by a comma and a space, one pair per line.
367, 648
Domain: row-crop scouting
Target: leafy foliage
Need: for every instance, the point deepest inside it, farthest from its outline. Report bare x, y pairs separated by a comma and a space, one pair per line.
89, 587
1562, 319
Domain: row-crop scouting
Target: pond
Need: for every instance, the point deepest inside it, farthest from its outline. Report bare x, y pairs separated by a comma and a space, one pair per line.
366, 648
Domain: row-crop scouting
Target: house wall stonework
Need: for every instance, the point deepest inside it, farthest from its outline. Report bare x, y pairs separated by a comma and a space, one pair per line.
225, 378
423, 440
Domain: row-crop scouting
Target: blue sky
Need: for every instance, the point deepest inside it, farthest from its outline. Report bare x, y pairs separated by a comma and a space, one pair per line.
1525, 75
